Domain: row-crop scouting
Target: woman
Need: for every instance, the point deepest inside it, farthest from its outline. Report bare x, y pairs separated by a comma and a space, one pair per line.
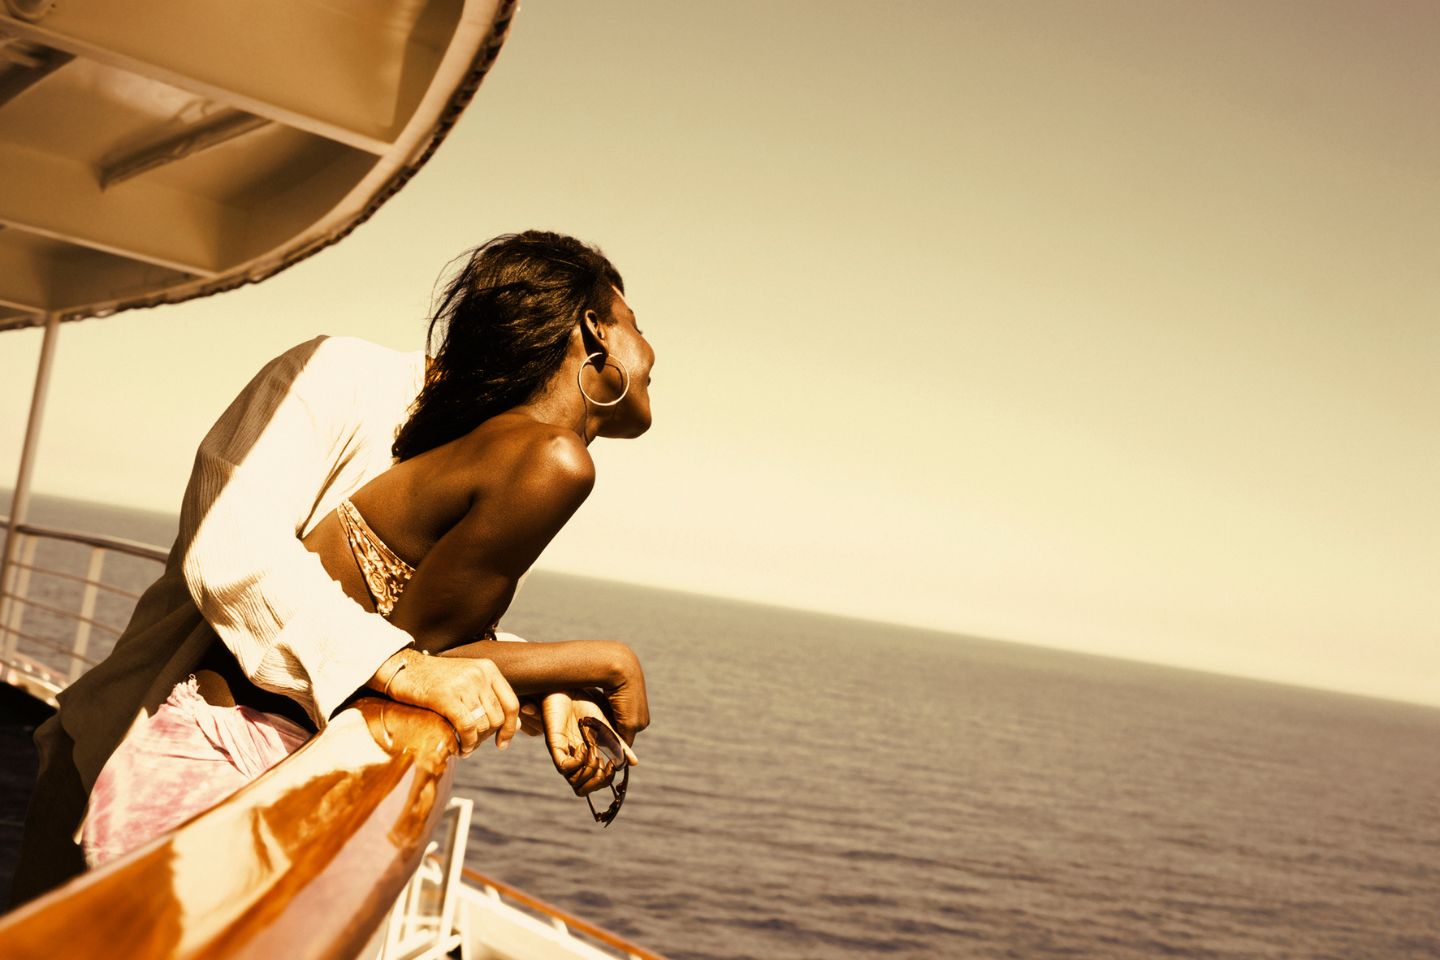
537, 355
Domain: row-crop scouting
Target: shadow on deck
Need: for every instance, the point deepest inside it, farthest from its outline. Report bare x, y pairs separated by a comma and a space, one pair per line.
20, 714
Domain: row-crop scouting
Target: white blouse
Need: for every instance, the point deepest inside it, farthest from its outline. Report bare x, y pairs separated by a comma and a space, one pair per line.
309, 430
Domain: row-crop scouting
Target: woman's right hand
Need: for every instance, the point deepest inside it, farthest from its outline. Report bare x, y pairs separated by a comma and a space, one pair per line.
469, 692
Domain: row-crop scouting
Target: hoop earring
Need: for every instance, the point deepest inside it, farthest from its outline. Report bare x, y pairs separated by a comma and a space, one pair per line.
624, 375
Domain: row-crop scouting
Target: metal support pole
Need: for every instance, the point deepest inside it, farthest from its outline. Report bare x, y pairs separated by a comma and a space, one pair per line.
20, 503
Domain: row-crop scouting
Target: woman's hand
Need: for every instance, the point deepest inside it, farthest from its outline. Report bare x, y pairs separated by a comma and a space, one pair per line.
584, 768
468, 692
542, 668
626, 695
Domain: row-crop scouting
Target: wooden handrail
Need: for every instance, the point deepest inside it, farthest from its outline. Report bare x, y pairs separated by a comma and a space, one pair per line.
304, 862
571, 921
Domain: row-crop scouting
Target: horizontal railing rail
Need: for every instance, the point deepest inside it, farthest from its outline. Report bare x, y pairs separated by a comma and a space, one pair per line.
134, 548
46, 659
308, 860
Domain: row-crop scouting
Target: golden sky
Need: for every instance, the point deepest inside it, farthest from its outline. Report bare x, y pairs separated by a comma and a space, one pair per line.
1106, 326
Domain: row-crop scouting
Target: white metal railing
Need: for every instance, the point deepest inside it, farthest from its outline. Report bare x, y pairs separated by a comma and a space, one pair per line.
426, 922
51, 617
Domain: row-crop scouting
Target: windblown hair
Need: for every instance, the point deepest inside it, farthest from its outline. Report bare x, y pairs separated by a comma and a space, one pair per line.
503, 325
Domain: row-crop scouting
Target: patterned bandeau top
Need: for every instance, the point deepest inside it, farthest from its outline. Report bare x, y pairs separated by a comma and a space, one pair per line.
386, 575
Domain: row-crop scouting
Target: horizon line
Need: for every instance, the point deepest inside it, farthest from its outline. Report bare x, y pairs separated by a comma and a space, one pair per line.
943, 631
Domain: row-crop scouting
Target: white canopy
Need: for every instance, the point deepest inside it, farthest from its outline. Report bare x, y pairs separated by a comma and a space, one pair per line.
160, 150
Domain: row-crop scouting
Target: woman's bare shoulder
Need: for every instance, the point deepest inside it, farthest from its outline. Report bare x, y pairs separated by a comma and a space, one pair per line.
523, 481
516, 450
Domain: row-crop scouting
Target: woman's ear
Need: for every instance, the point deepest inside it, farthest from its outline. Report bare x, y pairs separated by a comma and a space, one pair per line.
592, 333
594, 326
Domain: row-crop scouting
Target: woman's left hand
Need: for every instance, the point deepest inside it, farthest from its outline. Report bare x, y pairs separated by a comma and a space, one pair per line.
583, 767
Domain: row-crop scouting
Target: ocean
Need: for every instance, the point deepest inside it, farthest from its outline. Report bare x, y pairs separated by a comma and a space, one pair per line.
818, 787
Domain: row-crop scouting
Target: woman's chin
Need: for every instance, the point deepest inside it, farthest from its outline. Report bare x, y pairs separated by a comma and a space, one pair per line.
628, 429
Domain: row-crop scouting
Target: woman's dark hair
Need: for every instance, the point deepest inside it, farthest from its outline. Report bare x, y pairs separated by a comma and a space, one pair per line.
504, 325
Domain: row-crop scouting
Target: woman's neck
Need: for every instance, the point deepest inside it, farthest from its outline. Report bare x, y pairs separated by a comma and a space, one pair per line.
562, 408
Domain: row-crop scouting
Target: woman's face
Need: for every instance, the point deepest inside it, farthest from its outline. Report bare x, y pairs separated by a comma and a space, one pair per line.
631, 417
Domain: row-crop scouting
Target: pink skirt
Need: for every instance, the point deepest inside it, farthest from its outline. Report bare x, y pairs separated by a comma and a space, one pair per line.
183, 760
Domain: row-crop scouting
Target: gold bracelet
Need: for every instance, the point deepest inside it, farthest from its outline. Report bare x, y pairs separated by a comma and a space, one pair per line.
403, 665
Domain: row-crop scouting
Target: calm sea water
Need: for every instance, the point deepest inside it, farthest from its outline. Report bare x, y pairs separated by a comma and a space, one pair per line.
815, 787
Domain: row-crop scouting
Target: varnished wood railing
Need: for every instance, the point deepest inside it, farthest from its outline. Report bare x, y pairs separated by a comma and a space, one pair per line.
303, 863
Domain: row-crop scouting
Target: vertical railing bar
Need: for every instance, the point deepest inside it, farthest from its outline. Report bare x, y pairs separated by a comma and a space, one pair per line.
21, 588
414, 931
87, 612
7, 590
454, 863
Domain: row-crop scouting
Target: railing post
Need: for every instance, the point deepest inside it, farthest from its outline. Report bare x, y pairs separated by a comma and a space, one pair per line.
454, 862
7, 639
19, 590
415, 926
87, 613
20, 503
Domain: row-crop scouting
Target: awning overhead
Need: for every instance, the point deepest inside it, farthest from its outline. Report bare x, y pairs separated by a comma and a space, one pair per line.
160, 150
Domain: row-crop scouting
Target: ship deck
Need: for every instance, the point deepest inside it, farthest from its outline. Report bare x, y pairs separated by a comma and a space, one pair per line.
20, 714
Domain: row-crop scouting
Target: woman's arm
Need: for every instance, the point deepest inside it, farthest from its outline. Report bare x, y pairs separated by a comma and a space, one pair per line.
547, 667
529, 482
573, 664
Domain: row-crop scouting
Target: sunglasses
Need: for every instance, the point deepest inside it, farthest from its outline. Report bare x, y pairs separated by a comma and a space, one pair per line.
602, 738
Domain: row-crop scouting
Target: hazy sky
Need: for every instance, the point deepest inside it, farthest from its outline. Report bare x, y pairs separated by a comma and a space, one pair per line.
1108, 326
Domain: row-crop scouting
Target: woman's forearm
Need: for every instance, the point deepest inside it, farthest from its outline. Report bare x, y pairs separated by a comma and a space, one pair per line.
547, 667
